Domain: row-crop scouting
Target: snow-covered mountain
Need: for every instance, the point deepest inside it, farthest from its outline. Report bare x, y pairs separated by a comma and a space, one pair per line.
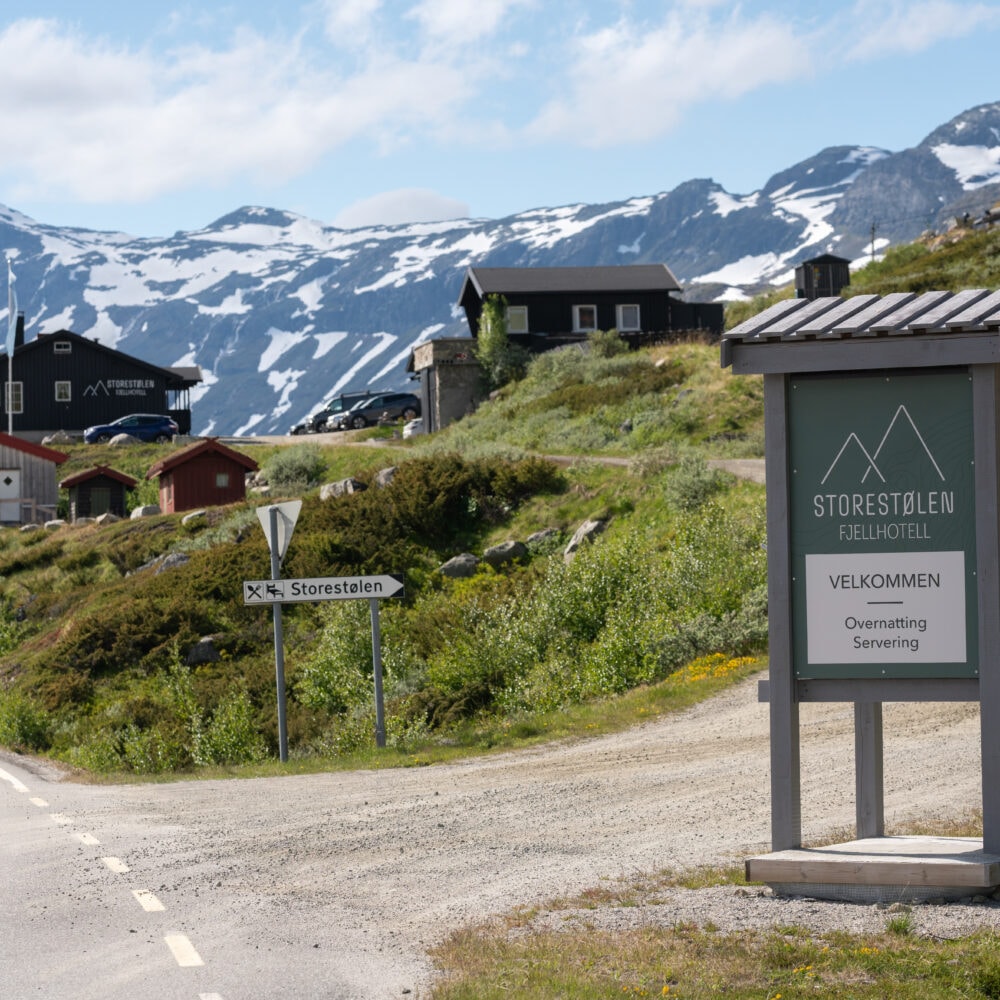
280, 311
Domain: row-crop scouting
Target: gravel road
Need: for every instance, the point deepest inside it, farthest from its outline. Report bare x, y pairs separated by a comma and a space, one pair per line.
360, 872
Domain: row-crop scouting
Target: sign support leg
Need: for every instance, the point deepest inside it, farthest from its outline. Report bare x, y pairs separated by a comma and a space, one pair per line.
279, 641
377, 669
786, 790
868, 770
986, 403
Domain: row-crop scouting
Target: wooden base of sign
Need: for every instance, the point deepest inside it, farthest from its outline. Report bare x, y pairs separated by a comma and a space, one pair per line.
882, 870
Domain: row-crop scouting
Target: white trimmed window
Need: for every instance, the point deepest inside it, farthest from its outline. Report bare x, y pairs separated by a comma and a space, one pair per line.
14, 397
517, 319
64, 392
628, 318
222, 480
62, 347
584, 319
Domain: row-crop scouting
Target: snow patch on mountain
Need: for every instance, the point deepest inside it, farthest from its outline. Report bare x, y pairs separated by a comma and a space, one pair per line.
326, 342
814, 207
280, 311
974, 166
281, 342
745, 271
284, 383
726, 204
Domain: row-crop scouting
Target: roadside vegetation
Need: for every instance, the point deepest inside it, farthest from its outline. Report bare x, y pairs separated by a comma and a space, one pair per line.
100, 624
665, 607
695, 963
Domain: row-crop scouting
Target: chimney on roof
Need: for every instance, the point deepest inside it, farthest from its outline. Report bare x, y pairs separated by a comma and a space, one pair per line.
19, 331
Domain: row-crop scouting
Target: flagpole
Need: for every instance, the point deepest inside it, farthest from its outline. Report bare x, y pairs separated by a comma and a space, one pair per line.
11, 336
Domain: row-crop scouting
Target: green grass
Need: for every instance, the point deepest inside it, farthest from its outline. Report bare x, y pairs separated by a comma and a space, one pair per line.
697, 963
521, 955
91, 636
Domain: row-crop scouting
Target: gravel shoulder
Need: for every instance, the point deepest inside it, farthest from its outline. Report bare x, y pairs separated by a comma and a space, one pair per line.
368, 869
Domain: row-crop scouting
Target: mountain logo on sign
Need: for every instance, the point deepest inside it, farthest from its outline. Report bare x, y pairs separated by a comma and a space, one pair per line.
901, 427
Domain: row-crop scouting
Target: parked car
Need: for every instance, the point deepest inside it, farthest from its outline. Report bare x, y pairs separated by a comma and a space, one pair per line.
333, 409
379, 409
144, 426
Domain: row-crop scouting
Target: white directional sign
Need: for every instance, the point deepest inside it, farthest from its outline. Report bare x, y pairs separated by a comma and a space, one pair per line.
330, 588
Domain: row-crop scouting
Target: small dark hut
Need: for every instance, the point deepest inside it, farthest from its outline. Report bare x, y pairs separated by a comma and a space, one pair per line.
822, 276
97, 491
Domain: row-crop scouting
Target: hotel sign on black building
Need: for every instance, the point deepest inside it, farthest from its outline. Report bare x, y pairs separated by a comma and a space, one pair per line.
883, 546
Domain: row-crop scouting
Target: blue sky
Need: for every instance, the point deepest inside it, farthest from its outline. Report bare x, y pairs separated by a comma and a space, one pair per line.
150, 118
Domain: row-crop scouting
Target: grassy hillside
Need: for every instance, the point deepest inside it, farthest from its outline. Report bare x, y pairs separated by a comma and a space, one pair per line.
948, 262
96, 631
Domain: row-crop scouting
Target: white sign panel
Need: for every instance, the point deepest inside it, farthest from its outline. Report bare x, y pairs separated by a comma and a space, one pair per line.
287, 515
328, 588
886, 607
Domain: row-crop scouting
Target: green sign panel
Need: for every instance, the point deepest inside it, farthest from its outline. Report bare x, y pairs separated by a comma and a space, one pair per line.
882, 524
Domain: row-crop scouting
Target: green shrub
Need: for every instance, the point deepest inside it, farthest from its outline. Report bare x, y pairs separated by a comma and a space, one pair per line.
295, 469
230, 737
10, 629
337, 675
606, 343
153, 751
24, 724
691, 483
145, 493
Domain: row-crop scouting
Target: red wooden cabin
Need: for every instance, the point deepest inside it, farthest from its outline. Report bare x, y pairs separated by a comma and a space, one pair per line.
207, 474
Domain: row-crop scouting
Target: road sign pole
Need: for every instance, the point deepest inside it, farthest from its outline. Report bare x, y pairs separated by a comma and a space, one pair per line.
377, 668
279, 642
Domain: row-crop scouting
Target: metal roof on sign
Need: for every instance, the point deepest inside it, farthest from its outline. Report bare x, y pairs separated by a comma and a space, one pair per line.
929, 319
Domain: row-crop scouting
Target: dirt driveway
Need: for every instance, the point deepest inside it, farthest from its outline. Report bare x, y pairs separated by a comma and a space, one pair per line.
366, 869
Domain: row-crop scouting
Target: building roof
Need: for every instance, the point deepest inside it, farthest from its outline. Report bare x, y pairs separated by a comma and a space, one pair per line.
619, 278
99, 471
196, 450
29, 448
794, 324
176, 377
825, 258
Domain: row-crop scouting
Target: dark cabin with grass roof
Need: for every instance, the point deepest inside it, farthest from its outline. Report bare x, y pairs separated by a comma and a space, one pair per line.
97, 491
551, 306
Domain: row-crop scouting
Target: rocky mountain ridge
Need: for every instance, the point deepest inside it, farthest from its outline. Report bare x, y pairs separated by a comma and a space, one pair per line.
280, 311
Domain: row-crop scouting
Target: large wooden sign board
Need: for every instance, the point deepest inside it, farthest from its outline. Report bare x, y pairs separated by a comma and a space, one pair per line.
882, 456
883, 539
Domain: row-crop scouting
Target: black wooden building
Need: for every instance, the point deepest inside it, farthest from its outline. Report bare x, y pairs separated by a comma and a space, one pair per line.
822, 276
548, 306
62, 381
97, 491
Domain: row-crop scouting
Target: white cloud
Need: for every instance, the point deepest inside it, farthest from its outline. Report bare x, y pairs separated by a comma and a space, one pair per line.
102, 124
630, 82
883, 27
458, 22
404, 205
347, 21
87, 119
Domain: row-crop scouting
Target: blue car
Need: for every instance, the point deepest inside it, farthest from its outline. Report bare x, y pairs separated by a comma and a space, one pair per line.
144, 426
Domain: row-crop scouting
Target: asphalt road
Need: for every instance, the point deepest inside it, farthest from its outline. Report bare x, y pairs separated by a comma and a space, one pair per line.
336, 885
